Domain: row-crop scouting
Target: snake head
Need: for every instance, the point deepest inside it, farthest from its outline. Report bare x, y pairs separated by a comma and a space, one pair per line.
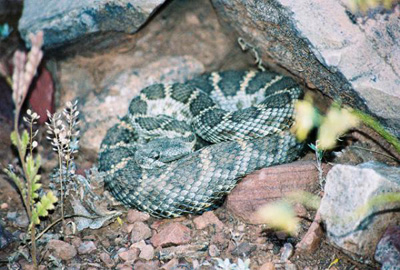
160, 151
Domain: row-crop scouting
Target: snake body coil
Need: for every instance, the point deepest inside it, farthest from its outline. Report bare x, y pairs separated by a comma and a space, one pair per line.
182, 147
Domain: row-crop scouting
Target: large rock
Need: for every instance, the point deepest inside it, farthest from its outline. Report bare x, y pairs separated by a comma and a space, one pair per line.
268, 185
347, 190
352, 58
65, 21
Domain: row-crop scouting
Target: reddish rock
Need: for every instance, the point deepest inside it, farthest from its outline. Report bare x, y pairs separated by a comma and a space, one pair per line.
147, 252
106, 259
208, 218
270, 184
172, 234
129, 255
134, 216
312, 239
213, 251
171, 265
86, 247
140, 231
61, 249
127, 227
151, 265
268, 266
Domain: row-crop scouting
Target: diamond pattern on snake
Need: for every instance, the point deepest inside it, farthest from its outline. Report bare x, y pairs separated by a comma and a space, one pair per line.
183, 147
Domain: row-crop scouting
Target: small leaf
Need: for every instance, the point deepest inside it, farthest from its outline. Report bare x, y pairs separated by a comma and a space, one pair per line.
41, 210
119, 220
15, 178
24, 141
14, 138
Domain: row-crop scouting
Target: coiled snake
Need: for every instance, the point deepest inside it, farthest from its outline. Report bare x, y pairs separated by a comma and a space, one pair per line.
182, 147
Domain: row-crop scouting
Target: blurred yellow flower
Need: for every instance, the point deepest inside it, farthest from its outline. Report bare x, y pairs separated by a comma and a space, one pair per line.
306, 117
336, 122
279, 215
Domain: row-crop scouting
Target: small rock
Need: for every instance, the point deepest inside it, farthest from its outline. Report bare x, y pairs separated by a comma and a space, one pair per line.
388, 250
61, 249
22, 219
106, 259
127, 227
270, 184
86, 247
310, 242
125, 266
148, 265
76, 241
290, 266
213, 251
349, 188
129, 255
287, 252
268, 266
208, 218
11, 215
187, 251
135, 215
244, 250
4, 206
140, 231
171, 265
173, 233
5, 237
139, 245
147, 252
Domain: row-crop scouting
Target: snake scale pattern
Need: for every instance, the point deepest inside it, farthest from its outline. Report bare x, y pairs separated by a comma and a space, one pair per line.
182, 147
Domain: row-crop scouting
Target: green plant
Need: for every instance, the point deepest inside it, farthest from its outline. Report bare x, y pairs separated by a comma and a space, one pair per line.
27, 182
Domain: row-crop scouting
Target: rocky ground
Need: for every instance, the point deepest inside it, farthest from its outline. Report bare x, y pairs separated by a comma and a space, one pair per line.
176, 41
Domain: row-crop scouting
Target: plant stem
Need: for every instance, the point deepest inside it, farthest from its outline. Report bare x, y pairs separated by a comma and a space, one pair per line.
27, 200
61, 184
33, 248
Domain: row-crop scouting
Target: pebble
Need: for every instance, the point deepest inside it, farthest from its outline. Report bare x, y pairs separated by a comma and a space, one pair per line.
206, 219
268, 266
171, 265
287, 252
140, 231
129, 255
86, 247
106, 259
213, 251
62, 249
174, 233
135, 216
147, 252
290, 266
244, 250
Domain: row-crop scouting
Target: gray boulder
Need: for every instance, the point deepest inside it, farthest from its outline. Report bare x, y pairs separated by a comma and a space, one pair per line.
347, 56
348, 189
65, 21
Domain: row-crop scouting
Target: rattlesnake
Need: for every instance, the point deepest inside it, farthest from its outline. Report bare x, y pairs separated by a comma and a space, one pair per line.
182, 147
